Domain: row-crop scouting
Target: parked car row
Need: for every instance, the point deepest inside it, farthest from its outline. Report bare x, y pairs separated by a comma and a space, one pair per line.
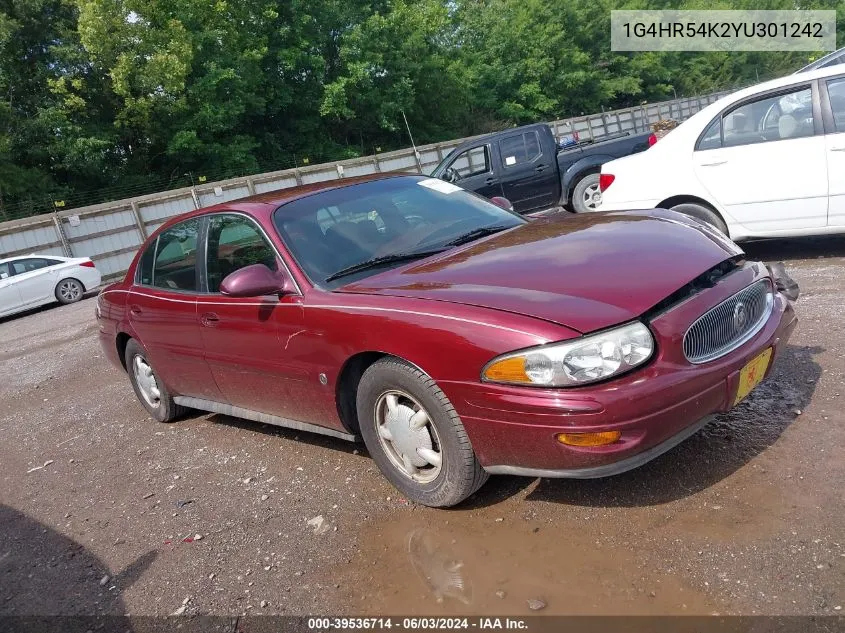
459, 338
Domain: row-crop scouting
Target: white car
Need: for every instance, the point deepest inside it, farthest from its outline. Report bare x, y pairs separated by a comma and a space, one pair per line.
32, 281
766, 161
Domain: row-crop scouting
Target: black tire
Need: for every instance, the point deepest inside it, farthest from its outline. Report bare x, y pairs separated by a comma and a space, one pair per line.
166, 410
705, 214
579, 204
460, 474
69, 291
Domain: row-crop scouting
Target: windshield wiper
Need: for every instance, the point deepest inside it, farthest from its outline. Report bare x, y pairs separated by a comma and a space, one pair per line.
477, 233
375, 262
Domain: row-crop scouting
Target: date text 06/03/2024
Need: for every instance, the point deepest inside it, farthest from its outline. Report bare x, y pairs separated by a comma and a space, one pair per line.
417, 623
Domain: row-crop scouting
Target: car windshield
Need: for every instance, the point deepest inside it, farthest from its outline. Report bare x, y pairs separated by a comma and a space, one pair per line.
343, 234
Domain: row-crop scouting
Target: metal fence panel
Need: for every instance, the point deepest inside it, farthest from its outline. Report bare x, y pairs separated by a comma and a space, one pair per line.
166, 208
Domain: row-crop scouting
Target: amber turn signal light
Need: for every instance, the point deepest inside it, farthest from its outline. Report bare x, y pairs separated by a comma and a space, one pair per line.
589, 439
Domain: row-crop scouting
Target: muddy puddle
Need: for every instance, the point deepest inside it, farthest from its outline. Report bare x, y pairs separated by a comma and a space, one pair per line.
427, 564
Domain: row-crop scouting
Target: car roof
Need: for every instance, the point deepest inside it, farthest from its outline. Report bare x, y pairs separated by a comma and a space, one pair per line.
3, 260
829, 60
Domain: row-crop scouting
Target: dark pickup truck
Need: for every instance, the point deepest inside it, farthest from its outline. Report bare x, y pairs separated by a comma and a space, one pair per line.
528, 166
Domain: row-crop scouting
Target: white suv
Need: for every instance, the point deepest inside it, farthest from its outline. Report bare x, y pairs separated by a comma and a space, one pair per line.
766, 161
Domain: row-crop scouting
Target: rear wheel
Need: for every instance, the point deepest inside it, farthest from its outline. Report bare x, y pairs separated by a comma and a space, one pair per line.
705, 214
415, 436
586, 196
148, 386
69, 291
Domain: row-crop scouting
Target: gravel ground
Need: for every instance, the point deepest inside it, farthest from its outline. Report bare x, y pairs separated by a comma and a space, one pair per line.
104, 511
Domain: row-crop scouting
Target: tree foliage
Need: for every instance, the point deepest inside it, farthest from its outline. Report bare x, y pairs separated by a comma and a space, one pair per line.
107, 98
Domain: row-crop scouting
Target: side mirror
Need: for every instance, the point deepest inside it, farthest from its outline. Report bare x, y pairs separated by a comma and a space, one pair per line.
256, 281
504, 203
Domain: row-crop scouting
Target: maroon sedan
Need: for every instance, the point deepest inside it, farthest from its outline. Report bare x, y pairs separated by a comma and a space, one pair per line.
455, 337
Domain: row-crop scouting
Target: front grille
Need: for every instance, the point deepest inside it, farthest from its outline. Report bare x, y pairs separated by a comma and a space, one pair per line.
730, 324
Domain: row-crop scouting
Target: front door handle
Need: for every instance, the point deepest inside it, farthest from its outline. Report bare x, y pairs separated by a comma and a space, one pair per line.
209, 319
490, 181
135, 311
540, 168
715, 164
838, 149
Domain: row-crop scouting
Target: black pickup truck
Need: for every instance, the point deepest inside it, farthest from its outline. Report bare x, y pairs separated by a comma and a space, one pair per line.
534, 170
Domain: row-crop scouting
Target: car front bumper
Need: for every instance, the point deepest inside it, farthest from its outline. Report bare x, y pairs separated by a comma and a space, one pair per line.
513, 429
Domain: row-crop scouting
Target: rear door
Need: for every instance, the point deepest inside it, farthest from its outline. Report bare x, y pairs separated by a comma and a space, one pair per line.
834, 120
10, 297
764, 161
163, 311
472, 169
529, 173
35, 278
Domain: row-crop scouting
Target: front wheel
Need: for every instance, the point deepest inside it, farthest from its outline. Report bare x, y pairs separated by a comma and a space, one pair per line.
415, 436
586, 196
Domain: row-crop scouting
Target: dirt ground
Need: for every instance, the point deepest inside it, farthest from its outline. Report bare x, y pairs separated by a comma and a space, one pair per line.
100, 507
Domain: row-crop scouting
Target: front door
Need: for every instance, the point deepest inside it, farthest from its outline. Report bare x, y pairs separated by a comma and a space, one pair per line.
766, 165
529, 174
835, 139
163, 311
10, 297
246, 339
473, 170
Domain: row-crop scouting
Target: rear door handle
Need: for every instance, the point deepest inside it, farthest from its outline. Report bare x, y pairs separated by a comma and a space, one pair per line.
838, 149
490, 181
209, 319
135, 311
715, 164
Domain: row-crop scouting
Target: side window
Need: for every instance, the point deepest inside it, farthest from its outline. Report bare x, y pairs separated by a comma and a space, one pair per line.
28, 265
472, 162
775, 118
5, 271
836, 92
712, 136
235, 242
175, 259
520, 148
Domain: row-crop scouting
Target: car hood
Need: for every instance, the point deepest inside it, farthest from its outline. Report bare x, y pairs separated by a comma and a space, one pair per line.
586, 272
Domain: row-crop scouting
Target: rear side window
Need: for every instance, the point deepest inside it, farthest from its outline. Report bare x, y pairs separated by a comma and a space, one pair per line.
712, 137
235, 242
836, 92
520, 148
5, 271
171, 261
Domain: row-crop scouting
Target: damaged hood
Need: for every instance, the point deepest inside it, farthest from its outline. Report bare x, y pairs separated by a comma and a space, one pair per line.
586, 272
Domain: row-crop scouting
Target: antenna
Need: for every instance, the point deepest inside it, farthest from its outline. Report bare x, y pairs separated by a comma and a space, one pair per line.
416, 153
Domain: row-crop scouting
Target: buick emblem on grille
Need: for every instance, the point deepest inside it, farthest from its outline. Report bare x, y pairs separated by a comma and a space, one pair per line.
740, 316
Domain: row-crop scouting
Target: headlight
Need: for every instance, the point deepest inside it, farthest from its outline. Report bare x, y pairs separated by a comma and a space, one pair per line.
577, 362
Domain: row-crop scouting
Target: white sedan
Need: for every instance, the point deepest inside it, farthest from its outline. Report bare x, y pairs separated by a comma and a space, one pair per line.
766, 161
29, 282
